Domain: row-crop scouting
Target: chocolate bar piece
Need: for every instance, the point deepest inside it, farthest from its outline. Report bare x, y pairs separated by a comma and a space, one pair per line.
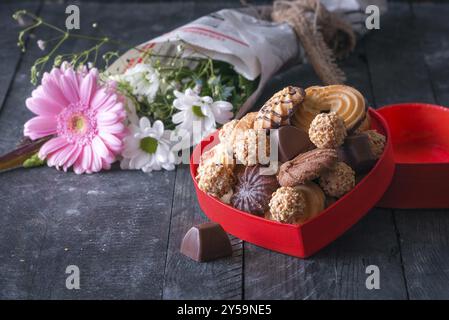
291, 142
356, 152
205, 242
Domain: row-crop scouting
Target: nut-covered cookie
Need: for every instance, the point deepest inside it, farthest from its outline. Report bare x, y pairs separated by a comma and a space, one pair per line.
287, 205
327, 130
338, 181
253, 190
376, 141
225, 132
279, 108
219, 154
306, 167
215, 179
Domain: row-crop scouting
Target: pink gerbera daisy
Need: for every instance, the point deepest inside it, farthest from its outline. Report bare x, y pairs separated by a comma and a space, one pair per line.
85, 118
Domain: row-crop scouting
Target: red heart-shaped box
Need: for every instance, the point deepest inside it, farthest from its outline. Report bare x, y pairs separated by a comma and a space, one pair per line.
305, 239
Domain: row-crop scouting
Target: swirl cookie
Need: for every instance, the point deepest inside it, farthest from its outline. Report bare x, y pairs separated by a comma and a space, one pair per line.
346, 101
306, 167
279, 108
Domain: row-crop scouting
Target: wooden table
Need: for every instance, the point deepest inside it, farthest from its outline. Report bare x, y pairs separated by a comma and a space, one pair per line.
123, 229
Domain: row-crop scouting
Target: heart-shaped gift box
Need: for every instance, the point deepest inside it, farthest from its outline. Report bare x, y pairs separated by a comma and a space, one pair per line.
304, 239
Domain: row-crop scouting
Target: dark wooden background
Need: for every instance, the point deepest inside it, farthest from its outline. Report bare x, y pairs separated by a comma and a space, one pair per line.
123, 229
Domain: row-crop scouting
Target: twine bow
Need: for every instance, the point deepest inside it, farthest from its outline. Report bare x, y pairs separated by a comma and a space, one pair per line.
324, 35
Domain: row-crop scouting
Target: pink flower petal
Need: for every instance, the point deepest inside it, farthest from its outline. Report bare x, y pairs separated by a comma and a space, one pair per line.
86, 157
112, 142
51, 146
43, 106
73, 157
40, 126
87, 88
100, 97
107, 118
59, 157
96, 162
69, 85
77, 167
114, 129
52, 87
100, 148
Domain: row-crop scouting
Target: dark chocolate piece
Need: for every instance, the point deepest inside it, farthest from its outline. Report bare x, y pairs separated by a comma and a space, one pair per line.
356, 152
205, 242
291, 142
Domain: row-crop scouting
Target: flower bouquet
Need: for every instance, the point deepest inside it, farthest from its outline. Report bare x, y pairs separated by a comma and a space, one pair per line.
164, 96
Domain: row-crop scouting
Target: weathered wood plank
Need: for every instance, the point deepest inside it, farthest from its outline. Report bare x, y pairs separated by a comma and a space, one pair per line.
434, 43
404, 64
184, 278
338, 271
424, 233
396, 64
113, 226
10, 54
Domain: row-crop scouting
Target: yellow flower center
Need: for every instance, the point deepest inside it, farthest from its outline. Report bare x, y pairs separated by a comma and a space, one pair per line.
77, 123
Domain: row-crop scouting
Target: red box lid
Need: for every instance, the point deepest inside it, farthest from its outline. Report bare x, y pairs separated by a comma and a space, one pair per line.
420, 140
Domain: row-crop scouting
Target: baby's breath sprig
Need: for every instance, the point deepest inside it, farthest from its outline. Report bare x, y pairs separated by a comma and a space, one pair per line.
179, 71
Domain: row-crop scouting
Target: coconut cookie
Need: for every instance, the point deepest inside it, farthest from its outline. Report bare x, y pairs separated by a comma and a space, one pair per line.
346, 101
252, 147
215, 179
287, 205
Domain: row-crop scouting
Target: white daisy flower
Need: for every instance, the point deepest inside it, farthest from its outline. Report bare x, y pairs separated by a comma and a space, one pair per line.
198, 115
143, 80
147, 147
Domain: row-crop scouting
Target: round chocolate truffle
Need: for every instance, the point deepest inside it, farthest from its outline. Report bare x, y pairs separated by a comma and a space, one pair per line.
376, 141
338, 181
287, 204
215, 179
327, 130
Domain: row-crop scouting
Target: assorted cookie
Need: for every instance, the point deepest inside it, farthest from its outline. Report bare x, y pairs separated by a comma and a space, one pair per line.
306, 167
253, 190
278, 110
320, 139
